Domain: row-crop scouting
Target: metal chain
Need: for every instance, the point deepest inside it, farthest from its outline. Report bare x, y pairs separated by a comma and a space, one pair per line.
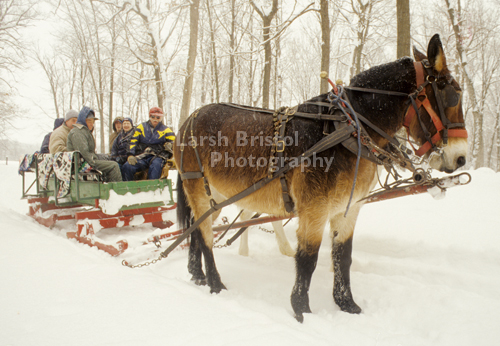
145, 264
266, 230
272, 232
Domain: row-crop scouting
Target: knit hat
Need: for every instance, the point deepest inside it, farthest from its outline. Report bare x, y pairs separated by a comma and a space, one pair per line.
129, 120
155, 111
70, 114
58, 122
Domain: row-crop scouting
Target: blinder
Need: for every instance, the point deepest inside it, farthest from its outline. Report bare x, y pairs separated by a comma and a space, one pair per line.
449, 96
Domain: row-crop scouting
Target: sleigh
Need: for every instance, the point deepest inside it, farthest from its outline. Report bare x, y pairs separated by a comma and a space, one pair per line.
57, 194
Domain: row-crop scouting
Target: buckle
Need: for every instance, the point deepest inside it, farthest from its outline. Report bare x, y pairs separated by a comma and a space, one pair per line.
280, 146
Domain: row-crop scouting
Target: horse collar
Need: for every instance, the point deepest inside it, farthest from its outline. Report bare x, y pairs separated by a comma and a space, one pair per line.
419, 99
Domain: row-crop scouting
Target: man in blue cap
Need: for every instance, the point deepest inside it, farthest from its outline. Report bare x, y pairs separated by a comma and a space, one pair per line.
80, 138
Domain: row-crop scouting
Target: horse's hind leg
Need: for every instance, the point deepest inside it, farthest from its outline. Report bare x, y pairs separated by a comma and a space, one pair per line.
200, 203
283, 243
343, 229
309, 236
243, 250
194, 259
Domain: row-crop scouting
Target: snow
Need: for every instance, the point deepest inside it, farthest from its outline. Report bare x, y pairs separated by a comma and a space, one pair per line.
116, 201
425, 272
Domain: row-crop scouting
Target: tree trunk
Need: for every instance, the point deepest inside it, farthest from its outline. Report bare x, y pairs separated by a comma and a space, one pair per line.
194, 15
403, 19
112, 76
266, 29
277, 77
497, 146
215, 69
231, 53
325, 45
477, 141
250, 70
364, 14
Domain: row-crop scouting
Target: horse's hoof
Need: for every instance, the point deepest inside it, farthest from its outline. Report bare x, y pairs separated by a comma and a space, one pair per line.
199, 281
288, 252
217, 288
350, 307
299, 317
300, 305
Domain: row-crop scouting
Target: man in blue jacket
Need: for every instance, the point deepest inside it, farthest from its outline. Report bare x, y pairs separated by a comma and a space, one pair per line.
150, 147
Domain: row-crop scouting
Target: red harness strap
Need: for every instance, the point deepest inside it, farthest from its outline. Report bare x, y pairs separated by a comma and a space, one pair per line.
410, 114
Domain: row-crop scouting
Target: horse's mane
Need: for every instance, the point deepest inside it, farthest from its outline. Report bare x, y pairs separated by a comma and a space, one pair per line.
398, 75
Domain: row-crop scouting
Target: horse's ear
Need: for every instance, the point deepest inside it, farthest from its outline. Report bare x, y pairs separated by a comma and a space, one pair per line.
435, 53
418, 55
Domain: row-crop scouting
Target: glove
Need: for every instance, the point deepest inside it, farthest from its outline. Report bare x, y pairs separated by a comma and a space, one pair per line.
132, 160
171, 164
168, 147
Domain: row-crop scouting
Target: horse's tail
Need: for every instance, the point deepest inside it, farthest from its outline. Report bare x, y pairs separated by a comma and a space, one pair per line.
183, 209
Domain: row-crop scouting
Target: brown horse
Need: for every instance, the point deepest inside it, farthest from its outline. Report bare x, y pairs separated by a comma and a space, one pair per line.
227, 148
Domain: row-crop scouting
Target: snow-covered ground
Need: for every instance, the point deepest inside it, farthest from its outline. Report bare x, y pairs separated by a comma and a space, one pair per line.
425, 272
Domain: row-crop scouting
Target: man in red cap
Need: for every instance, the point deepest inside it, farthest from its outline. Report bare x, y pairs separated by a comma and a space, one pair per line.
150, 147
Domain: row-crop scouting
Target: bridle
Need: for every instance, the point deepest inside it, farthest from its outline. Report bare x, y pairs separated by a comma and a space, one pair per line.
447, 97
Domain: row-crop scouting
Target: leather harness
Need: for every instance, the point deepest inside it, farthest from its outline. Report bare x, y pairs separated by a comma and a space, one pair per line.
349, 132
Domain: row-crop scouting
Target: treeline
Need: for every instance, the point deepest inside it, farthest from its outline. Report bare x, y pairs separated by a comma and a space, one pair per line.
122, 57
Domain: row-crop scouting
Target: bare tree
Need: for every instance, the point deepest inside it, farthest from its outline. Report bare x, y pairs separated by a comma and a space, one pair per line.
215, 69
14, 16
152, 20
364, 13
325, 44
404, 28
266, 38
478, 145
232, 48
193, 43
52, 70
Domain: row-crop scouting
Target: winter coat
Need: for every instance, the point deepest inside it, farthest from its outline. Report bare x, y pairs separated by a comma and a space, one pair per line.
44, 149
145, 137
121, 146
80, 138
58, 139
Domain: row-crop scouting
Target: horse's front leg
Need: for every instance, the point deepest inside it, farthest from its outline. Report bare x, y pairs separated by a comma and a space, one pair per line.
309, 236
342, 230
243, 249
213, 277
200, 203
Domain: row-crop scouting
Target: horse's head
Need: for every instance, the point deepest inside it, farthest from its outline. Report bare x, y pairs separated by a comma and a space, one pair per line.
435, 119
